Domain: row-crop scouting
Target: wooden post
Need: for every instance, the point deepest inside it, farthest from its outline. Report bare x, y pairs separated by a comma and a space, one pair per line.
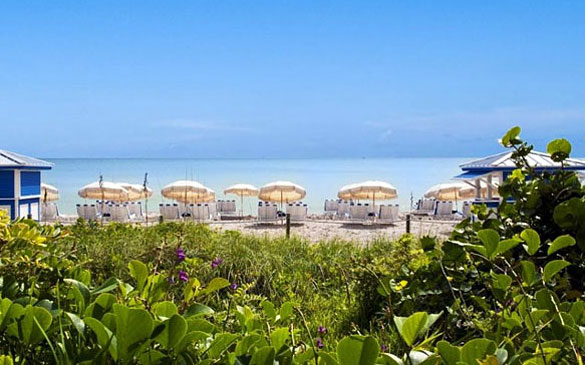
408, 223
287, 225
160, 219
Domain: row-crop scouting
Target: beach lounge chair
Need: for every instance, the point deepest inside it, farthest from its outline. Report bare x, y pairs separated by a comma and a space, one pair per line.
466, 210
426, 207
119, 213
267, 212
444, 210
358, 213
213, 210
49, 212
331, 207
90, 212
135, 210
343, 209
298, 212
169, 211
386, 214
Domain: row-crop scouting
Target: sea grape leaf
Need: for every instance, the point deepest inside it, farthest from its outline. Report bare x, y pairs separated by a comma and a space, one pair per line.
552, 268
139, 272
490, 239
358, 350
560, 243
532, 240
559, 149
411, 327
476, 350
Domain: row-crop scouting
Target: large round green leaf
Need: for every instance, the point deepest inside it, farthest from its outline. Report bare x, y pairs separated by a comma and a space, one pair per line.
358, 350
29, 329
476, 350
559, 149
133, 326
552, 268
560, 243
173, 332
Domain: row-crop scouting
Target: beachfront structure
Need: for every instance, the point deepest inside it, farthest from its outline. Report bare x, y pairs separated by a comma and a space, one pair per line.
20, 184
493, 170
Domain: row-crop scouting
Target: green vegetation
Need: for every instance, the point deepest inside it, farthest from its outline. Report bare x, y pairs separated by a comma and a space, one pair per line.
504, 289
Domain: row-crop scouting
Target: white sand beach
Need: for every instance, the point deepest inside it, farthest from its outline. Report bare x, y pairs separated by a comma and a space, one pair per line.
317, 230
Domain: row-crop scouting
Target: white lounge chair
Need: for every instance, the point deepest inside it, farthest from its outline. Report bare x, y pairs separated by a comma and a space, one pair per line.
444, 210
343, 210
213, 210
169, 211
267, 212
135, 210
331, 207
298, 212
89, 212
466, 210
358, 213
49, 212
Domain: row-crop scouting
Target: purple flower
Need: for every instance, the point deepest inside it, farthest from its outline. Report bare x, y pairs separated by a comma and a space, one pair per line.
234, 286
180, 255
183, 276
319, 343
172, 280
322, 330
384, 347
216, 262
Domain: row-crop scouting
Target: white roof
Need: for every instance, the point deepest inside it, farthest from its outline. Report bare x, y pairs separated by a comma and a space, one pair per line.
535, 159
11, 159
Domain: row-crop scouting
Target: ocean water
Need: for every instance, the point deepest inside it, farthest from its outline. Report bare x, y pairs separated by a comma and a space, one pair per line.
322, 178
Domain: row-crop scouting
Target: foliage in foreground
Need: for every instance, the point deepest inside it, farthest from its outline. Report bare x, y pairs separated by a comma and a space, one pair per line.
506, 288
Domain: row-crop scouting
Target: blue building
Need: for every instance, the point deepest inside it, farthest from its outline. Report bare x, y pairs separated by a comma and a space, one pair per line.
20, 184
491, 171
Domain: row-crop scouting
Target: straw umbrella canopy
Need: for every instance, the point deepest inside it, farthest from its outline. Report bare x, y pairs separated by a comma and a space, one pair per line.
454, 191
242, 190
282, 191
370, 190
451, 191
187, 191
49, 193
104, 190
136, 191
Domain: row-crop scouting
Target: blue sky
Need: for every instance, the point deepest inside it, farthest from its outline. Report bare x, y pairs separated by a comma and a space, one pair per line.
288, 78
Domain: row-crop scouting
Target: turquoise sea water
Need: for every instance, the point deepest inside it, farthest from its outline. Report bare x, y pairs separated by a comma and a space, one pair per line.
322, 178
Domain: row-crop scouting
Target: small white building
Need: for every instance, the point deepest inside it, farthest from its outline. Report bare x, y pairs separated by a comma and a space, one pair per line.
493, 170
20, 184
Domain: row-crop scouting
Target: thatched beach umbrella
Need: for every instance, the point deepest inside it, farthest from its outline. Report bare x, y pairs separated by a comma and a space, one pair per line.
187, 191
49, 193
242, 190
369, 190
451, 191
103, 190
282, 191
136, 191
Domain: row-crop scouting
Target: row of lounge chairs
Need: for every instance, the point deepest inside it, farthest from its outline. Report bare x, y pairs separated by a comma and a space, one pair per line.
127, 212
198, 212
268, 212
362, 213
441, 209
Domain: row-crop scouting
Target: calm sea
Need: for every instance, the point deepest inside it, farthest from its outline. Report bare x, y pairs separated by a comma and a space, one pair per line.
321, 177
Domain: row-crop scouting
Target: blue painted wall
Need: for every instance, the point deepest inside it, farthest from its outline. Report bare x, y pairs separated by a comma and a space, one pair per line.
30, 183
11, 204
6, 184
